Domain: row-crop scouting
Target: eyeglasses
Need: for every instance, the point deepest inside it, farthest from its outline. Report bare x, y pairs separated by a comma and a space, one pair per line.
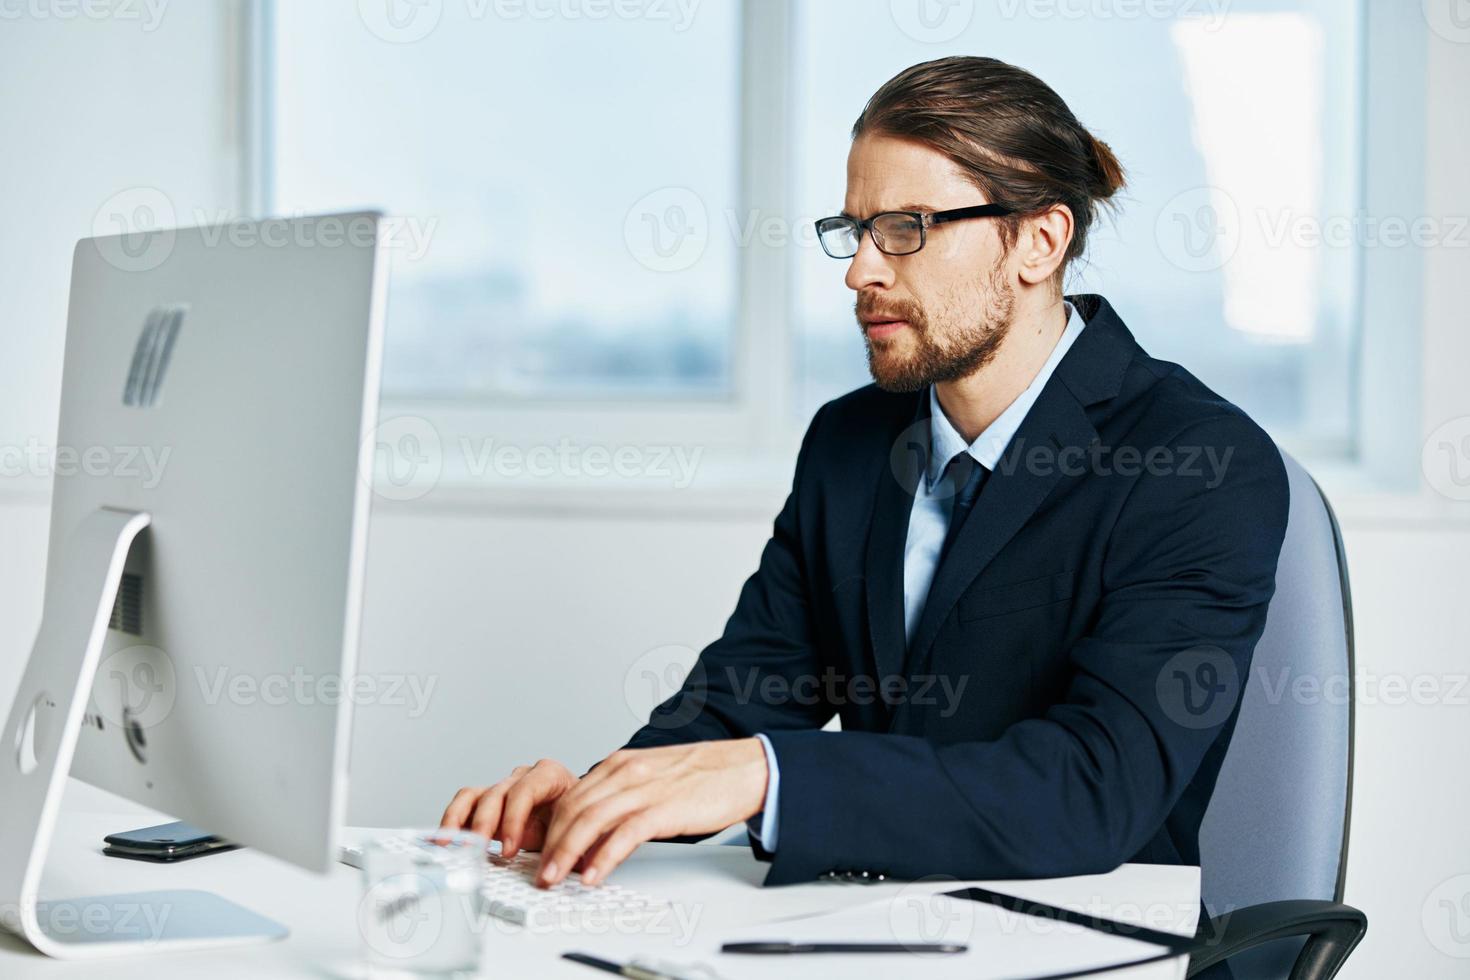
894, 232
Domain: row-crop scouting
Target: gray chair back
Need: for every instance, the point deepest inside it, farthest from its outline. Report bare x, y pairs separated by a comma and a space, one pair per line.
1277, 824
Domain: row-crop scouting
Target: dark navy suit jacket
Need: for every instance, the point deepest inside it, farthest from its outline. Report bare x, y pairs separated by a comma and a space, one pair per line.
1070, 690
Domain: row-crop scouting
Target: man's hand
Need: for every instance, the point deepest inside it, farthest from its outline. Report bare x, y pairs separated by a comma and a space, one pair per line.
516, 810
636, 795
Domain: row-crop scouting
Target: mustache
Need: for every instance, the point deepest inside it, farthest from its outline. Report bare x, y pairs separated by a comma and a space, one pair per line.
869, 307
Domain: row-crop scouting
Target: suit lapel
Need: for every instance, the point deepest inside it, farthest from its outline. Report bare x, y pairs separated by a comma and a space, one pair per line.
907, 451
1009, 498
1092, 371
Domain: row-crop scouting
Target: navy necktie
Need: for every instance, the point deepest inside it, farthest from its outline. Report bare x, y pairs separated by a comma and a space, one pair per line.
966, 474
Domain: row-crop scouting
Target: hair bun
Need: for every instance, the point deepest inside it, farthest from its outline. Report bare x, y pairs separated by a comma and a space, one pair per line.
1109, 170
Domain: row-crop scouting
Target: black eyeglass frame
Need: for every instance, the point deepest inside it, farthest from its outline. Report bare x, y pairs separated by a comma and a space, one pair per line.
924, 219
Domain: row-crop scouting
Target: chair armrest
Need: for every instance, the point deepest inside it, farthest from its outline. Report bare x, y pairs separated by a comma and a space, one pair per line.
1332, 931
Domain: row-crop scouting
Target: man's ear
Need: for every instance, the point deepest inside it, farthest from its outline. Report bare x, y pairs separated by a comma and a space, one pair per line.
1043, 243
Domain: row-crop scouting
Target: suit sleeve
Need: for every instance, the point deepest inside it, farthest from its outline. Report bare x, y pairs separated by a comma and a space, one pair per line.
1188, 573
767, 646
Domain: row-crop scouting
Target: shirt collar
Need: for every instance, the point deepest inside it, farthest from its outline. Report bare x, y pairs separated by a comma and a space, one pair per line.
945, 440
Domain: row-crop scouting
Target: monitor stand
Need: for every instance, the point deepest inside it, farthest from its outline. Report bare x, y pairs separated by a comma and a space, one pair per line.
40, 739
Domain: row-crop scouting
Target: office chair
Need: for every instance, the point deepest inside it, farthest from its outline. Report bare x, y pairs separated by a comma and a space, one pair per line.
1273, 843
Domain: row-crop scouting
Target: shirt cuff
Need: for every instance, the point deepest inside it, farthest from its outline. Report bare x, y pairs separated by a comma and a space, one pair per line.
763, 824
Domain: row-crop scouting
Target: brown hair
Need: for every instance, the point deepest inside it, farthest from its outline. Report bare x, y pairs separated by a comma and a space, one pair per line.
1008, 131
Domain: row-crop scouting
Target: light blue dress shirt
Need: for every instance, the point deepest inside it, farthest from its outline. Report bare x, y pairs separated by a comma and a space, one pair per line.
929, 519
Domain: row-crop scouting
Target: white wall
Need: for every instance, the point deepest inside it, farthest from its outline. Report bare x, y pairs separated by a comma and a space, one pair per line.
97, 115
531, 626
529, 619
1410, 829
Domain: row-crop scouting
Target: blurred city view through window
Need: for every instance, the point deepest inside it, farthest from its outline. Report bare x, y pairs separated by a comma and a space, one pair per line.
576, 180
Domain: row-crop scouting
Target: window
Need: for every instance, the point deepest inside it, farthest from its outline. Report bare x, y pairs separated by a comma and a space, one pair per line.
1234, 249
604, 209
554, 173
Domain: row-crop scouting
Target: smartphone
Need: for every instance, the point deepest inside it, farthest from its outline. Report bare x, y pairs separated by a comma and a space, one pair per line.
165, 842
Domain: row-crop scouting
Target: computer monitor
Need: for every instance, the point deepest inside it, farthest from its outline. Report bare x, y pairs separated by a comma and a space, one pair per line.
207, 544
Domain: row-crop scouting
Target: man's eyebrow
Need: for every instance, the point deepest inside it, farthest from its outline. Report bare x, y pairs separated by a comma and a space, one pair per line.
902, 207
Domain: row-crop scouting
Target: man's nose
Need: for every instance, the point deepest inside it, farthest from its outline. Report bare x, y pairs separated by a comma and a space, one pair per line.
869, 267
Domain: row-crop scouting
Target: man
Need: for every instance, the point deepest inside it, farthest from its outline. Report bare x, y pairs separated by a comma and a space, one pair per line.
1003, 565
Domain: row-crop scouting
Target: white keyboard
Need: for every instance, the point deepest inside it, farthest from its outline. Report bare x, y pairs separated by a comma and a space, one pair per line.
508, 891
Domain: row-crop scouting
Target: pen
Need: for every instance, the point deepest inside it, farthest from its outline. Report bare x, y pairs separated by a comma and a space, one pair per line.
633, 972
783, 948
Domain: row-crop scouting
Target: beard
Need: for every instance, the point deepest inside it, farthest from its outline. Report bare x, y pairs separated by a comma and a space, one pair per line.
904, 364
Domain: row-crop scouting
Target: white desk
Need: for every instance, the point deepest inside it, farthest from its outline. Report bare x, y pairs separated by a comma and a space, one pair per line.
718, 886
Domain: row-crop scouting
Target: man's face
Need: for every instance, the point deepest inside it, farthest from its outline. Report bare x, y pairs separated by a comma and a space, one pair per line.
938, 314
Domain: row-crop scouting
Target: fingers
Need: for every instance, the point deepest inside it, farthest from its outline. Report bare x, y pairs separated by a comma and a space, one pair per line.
592, 818
572, 804
482, 809
534, 787
460, 807
486, 818
522, 799
561, 854
614, 849
617, 773
581, 864
614, 772
533, 836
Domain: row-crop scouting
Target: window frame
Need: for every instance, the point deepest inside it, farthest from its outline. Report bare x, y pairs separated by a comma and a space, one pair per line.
753, 424
751, 417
